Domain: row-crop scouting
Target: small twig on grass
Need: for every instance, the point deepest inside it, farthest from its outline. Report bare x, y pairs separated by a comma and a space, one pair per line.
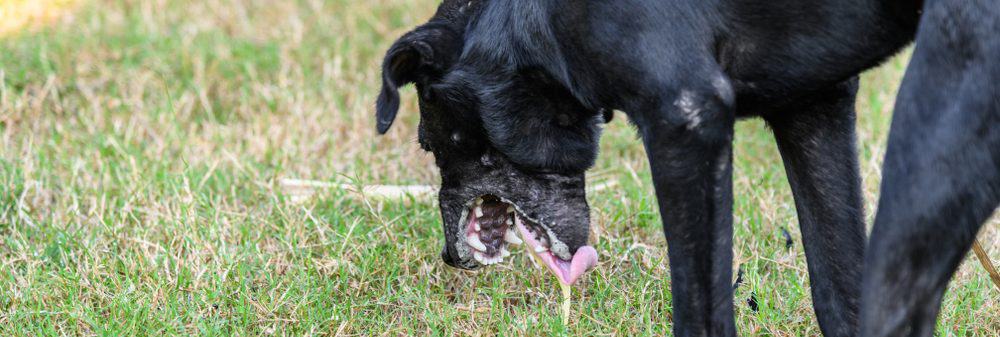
985, 260
300, 189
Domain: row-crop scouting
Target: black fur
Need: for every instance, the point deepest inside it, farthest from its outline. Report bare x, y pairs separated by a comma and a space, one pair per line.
941, 176
525, 83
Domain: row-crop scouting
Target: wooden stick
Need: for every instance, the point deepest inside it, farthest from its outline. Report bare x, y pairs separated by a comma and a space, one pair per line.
300, 189
987, 264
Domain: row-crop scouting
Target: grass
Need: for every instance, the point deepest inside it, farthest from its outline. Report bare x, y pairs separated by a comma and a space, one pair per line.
141, 145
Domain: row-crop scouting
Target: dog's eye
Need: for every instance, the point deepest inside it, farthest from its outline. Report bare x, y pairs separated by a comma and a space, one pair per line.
456, 137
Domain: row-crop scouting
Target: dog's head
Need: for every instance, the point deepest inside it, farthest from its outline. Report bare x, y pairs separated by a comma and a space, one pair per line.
512, 146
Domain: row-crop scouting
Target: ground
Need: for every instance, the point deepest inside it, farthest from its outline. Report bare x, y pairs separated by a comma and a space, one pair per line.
143, 145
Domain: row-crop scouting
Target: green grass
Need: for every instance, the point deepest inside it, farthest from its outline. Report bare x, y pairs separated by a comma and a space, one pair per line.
142, 144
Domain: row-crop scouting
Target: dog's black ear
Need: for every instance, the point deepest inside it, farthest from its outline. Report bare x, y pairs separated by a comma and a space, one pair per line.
420, 55
398, 69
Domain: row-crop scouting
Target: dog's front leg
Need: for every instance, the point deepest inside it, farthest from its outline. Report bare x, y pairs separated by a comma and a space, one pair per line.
817, 141
688, 138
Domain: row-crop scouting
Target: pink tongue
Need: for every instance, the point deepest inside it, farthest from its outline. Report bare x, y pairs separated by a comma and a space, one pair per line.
584, 259
567, 271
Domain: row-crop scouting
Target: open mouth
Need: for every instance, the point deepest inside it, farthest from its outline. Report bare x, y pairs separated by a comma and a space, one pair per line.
493, 225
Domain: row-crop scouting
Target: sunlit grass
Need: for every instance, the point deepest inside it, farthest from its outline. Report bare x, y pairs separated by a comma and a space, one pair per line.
141, 144
16, 15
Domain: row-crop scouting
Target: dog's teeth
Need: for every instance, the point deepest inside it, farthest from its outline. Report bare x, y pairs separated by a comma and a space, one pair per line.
541, 249
478, 227
510, 209
474, 241
480, 257
504, 252
479, 201
479, 212
512, 238
510, 221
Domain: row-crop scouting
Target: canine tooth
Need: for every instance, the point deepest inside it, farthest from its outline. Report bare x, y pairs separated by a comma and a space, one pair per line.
479, 201
510, 209
504, 252
479, 212
510, 221
478, 227
512, 238
474, 241
480, 257
541, 249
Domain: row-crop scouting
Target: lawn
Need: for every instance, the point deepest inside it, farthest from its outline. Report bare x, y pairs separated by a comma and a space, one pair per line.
143, 145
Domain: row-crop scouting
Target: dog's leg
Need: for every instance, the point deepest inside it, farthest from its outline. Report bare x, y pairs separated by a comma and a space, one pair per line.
688, 138
817, 143
941, 176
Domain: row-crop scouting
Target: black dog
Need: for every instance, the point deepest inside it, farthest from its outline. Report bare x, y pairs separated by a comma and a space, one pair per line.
511, 93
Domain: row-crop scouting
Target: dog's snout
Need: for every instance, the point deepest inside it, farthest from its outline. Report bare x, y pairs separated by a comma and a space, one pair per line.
454, 262
448, 259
